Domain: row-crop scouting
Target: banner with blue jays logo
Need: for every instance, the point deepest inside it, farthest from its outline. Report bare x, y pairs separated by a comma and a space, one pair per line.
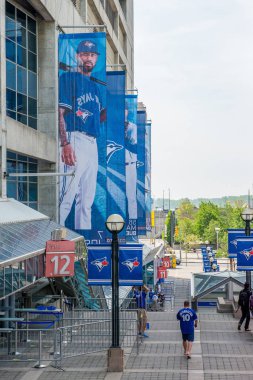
141, 170
100, 264
233, 234
148, 174
131, 143
82, 133
245, 254
116, 177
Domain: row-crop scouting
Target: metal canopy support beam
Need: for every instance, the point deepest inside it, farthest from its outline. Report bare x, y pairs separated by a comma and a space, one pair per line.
40, 174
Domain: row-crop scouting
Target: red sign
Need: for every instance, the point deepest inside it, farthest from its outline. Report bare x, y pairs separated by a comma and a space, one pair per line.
60, 258
162, 272
166, 262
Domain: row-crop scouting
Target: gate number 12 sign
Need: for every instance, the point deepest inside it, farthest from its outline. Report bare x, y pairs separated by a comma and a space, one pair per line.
60, 258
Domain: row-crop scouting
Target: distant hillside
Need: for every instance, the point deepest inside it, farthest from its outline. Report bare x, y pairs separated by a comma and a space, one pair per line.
217, 201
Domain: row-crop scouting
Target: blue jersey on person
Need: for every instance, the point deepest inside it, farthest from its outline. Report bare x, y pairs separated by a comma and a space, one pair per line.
187, 316
140, 297
81, 98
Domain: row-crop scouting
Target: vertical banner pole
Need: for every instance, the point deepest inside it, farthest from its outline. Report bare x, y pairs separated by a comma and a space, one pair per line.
115, 290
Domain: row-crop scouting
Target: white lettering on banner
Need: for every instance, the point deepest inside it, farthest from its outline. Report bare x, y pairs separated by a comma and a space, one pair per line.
85, 98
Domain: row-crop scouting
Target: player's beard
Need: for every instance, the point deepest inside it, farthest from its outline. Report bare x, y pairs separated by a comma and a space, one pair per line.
85, 68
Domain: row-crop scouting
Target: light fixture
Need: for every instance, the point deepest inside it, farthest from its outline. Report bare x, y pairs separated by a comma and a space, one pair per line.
247, 215
115, 223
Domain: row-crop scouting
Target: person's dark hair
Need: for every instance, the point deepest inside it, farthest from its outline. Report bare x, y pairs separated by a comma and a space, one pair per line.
246, 285
186, 303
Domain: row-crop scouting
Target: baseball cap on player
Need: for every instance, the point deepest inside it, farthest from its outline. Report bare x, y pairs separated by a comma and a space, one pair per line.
87, 47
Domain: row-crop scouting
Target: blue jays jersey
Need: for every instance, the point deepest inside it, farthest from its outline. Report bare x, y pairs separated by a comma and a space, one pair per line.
187, 316
82, 100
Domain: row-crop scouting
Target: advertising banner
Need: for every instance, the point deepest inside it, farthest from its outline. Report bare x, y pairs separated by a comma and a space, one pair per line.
233, 234
99, 265
148, 175
141, 170
131, 142
245, 254
130, 265
116, 177
60, 258
82, 133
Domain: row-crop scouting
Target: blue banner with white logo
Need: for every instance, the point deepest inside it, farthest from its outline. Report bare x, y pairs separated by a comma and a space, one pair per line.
148, 175
131, 143
130, 264
233, 234
245, 254
99, 265
82, 133
141, 170
116, 178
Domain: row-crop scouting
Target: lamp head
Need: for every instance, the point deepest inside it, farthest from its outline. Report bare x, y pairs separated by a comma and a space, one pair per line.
247, 215
115, 223
217, 229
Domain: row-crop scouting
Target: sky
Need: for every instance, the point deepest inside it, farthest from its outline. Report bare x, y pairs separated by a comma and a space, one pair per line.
194, 73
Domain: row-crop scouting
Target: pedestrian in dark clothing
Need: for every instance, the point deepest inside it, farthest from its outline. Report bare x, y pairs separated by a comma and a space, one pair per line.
243, 303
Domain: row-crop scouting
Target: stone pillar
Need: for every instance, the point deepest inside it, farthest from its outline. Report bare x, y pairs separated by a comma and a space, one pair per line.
115, 359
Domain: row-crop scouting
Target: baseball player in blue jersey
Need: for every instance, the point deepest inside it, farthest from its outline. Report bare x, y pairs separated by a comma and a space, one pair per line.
131, 168
80, 115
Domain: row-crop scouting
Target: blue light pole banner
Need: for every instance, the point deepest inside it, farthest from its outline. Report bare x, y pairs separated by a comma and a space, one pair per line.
99, 265
82, 133
131, 142
148, 175
141, 170
130, 264
116, 177
245, 254
233, 234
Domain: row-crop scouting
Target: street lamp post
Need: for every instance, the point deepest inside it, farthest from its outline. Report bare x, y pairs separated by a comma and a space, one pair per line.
247, 217
217, 230
115, 224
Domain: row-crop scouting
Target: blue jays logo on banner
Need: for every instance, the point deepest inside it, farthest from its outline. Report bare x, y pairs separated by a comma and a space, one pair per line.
99, 265
148, 175
131, 138
116, 179
233, 234
130, 264
82, 133
141, 124
245, 254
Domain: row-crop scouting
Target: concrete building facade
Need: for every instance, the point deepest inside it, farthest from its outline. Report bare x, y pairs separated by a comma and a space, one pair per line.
29, 85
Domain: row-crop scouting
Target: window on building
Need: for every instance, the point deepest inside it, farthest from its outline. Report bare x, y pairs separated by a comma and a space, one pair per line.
21, 66
24, 189
123, 6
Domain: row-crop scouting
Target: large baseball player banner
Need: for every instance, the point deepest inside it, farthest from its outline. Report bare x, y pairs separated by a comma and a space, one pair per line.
100, 265
141, 170
245, 254
115, 157
233, 235
82, 133
148, 175
131, 143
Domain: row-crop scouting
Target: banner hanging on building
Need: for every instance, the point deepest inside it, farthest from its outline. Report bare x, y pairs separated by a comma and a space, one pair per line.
100, 264
245, 254
131, 141
148, 175
141, 170
233, 234
116, 177
82, 133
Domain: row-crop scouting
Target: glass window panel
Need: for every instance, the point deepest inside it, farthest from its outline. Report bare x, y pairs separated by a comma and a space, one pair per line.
33, 192
11, 166
12, 189
31, 24
11, 99
21, 36
21, 18
10, 50
33, 168
22, 168
22, 80
22, 118
10, 75
22, 103
11, 114
10, 27
10, 10
34, 205
32, 107
32, 122
34, 160
22, 158
32, 42
32, 62
32, 84
22, 191
21, 56
11, 155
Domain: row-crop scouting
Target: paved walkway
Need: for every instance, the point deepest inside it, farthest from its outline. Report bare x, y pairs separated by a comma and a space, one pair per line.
220, 352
